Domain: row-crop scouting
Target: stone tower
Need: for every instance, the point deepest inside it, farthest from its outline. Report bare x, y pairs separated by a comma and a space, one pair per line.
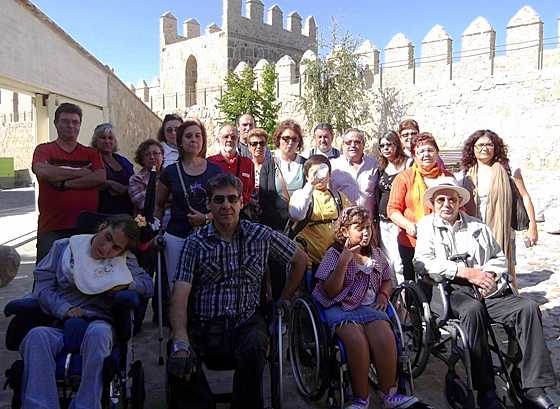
193, 66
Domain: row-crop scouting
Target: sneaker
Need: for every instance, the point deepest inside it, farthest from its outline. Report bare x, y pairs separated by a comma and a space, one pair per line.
396, 400
358, 403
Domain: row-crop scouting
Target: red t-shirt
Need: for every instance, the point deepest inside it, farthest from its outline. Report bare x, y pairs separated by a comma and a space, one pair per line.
59, 209
241, 167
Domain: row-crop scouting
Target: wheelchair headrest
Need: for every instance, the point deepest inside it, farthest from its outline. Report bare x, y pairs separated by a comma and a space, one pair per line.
88, 222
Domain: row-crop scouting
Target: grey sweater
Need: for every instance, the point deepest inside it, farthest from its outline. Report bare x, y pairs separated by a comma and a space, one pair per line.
56, 294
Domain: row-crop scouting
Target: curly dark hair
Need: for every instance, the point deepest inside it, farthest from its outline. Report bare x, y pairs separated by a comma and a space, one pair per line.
354, 215
143, 148
468, 159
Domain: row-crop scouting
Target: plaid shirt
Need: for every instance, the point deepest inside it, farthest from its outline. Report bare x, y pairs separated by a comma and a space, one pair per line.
356, 282
226, 277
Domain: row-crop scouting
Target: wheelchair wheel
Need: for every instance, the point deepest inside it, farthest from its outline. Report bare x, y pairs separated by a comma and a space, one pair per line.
277, 364
308, 344
336, 397
137, 391
458, 382
414, 315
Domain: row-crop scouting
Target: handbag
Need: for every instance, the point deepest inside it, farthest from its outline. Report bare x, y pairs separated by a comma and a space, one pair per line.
519, 216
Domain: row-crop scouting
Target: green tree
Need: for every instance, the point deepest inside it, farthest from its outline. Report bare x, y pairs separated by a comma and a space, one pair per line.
335, 90
241, 96
268, 115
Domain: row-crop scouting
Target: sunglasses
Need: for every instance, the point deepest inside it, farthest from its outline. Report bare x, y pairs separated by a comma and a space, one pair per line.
287, 139
440, 200
220, 199
385, 145
255, 144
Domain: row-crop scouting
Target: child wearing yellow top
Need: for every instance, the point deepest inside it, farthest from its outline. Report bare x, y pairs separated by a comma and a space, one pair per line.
316, 208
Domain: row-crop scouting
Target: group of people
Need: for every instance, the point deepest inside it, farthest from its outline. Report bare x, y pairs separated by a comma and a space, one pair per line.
242, 226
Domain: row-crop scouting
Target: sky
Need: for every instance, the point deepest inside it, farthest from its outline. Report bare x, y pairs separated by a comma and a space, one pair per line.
124, 34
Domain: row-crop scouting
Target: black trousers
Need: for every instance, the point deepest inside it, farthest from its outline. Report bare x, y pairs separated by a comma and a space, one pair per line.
46, 239
515, 312
249, 344
407, 257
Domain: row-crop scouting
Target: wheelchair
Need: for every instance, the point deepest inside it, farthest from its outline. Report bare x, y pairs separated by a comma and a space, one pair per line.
318, 357
275, 318
123, 377
431, 330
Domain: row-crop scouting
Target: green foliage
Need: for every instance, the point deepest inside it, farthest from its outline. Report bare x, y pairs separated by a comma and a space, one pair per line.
241, 97
268, 116
335, 89
389, 109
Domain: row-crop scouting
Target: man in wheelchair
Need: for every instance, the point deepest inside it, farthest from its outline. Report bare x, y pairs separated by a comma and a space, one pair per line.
219, 286
481, 273
78, 279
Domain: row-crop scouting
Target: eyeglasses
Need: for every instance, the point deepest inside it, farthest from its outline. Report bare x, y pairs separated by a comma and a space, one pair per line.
440, 200
425, 150
481, 146
220, 199
385, 145
287, 139
257, 143
171, 129
409, 134
351, 142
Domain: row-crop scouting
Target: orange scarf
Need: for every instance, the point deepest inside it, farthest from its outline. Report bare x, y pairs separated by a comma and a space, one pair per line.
418, 189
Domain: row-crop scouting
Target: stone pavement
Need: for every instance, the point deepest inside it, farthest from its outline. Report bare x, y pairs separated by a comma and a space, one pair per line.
539, 279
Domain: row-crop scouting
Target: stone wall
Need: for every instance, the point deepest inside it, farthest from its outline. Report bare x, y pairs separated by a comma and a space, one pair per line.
193, 66
17, 141
42, 61
133, 121
513, 88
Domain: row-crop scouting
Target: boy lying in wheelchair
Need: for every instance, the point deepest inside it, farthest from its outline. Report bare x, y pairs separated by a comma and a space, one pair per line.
354, 284
79, 278
449, 231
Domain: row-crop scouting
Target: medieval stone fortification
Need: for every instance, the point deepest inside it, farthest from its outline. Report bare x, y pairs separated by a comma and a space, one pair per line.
193, 66
451, 87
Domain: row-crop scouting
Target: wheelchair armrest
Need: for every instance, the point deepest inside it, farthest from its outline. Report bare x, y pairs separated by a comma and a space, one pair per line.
128, 299
22, 306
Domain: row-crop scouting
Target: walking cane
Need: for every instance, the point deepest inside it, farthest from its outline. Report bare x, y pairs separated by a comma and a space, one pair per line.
160, 246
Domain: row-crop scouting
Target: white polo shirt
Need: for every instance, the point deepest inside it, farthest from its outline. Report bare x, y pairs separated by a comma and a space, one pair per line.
356, 183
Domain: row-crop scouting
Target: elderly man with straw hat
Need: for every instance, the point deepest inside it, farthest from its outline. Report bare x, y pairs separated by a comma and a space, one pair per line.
449, 232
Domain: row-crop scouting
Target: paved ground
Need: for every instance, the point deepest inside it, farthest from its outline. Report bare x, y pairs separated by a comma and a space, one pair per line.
540, 280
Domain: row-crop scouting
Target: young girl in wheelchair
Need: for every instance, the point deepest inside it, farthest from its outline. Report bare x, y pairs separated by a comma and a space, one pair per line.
354, 285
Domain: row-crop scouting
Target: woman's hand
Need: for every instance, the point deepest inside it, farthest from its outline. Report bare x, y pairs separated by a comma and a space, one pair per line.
196, 218
532, 234
411, 229
381, 302
74, 312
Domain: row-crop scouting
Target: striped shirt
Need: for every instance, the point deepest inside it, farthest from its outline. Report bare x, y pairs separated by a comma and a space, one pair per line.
226, 277
356, 280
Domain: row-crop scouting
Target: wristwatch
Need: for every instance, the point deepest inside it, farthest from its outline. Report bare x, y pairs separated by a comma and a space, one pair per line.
180, 345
